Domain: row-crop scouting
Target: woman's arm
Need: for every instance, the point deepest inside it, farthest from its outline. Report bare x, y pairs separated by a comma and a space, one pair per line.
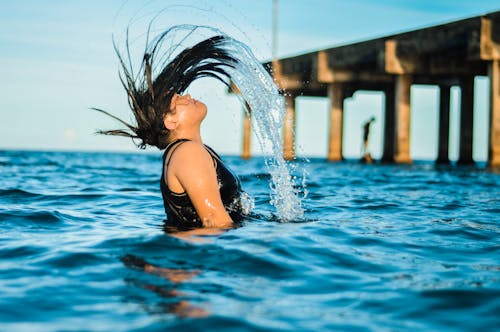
192, 170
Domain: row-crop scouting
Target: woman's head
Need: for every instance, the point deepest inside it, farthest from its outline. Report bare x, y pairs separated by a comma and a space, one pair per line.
159, 86
184, 113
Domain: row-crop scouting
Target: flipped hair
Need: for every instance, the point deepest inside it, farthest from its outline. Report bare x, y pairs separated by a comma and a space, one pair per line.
151, 91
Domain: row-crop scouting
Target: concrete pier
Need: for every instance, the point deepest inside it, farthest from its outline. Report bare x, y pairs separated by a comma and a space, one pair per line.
336, 96
444, 125
445, 55
466, 120
389, 121
403, 116
494, 149
289, 128
247, 134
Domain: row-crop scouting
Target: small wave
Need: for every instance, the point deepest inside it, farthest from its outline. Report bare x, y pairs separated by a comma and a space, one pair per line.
375, 205
241, 261
17, 252
128, 189
34, 163
464, 233
30, 217
64, 260
460, 298
252, 177
25, 194
17, 193
38, 217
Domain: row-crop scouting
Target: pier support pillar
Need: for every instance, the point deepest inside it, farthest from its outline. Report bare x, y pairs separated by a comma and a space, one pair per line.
336, 97
247, 128
289, 128
494, 146
466, 120
403, 118
389, 125
444, 125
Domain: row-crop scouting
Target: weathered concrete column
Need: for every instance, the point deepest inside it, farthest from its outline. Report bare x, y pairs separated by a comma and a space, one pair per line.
389, 125
403, 118
336, 97
494, 145
247, 128
289, 128
466, 120
444, 125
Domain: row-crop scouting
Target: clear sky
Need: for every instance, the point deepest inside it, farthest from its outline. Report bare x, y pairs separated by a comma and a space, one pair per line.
57, 60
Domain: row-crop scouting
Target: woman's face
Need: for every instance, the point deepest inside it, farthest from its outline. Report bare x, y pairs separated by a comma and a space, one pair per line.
188, 109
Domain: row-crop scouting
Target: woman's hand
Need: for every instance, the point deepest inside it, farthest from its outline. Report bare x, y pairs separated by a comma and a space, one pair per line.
192, 170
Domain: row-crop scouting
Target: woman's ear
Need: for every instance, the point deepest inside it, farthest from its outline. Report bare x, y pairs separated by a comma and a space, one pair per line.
170, 121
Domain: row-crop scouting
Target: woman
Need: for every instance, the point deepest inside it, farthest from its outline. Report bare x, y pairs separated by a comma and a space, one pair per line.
198, 189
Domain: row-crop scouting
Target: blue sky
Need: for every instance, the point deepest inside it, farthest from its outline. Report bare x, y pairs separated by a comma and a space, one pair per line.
57, 60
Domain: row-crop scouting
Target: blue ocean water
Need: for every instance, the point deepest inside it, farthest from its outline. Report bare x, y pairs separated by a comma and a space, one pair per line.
383, 248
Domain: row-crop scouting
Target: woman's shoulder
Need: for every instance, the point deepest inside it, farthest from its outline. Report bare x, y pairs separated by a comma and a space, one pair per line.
190, 151
190, 146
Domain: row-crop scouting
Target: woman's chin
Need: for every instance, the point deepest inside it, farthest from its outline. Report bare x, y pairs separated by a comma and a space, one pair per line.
203, 108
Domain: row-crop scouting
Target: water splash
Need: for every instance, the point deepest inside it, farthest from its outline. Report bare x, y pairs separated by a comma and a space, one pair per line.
247, 203
259, 91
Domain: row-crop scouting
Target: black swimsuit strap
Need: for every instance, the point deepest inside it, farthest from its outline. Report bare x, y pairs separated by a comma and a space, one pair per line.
174, 145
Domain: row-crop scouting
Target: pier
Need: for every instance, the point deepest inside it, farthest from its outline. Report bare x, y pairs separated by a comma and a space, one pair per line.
445, 55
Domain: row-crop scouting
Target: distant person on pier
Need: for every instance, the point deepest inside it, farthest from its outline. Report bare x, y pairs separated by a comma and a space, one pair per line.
198, 189
365, 154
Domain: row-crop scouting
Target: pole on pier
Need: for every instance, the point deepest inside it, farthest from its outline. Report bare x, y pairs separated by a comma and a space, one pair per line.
289, 128
494, 146
403, 118
389, 126
444, 125
466, 120
275, 30
336, 97
247, 130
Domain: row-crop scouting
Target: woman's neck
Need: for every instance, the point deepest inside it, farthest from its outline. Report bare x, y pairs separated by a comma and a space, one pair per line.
192, 136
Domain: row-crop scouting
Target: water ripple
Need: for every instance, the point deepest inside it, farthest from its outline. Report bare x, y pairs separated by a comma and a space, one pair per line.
383, 248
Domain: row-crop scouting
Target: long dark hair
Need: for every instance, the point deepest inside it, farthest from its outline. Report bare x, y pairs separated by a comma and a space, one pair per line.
151, 91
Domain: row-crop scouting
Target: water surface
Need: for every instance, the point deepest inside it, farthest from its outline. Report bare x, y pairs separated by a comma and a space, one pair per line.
383, 248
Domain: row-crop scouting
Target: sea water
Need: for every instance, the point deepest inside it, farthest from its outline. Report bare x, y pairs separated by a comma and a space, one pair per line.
382, 248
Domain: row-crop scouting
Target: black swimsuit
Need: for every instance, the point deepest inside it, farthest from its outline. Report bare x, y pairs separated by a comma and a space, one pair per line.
178, 206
